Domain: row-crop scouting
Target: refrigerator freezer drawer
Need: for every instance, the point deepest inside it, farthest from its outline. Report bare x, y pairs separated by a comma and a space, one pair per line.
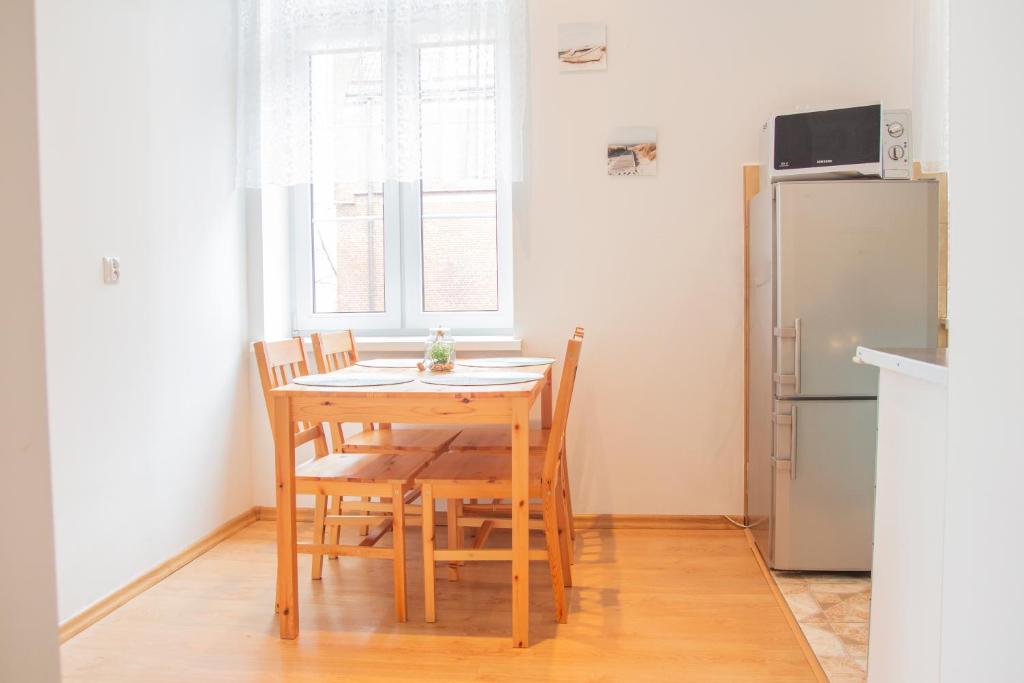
824, 485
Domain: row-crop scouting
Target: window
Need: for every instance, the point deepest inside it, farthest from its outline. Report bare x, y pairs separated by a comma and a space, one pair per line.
389, 256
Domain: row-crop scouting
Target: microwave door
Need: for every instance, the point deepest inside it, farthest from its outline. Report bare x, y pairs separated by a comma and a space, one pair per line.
840, 141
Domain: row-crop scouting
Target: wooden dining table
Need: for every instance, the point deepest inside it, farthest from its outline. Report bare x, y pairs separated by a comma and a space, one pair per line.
413, 402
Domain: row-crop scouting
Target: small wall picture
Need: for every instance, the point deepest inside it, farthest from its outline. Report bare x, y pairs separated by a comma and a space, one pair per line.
583, 47
633, 151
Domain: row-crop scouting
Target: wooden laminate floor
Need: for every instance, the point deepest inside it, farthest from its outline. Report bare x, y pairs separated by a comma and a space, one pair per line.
647, 606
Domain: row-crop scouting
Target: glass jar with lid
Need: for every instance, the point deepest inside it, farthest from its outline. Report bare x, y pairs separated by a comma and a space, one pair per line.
439, 353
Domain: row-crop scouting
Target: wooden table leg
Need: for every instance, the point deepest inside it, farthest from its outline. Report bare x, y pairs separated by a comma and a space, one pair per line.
454, 536
429, 602
398, 534
520, 523
545, 401
287, 556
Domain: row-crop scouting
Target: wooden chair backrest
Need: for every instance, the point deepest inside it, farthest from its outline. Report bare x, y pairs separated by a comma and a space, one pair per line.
334, 350
280, 362
561, 417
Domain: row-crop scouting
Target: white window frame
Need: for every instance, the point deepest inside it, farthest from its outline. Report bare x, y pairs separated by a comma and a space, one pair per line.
304, 314
403, 270
414, 317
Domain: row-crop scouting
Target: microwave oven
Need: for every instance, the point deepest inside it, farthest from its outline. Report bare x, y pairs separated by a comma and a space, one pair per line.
839, 142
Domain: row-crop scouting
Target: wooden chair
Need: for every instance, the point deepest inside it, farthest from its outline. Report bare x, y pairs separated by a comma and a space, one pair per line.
460, 475
280, 362
498, 440
339, 475
336, 350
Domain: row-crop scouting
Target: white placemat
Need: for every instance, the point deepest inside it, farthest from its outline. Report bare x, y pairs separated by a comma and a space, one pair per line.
351, 379
479, 379
511, 362
389, 362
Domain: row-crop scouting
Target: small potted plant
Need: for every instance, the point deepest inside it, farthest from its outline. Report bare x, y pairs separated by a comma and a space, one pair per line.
439, 355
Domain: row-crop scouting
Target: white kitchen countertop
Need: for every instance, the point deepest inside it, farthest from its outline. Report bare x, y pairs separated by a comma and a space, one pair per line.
927, 364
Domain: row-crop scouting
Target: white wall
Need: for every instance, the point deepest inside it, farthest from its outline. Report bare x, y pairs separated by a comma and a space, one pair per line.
983, 594
28, 590
148, 379
653, 267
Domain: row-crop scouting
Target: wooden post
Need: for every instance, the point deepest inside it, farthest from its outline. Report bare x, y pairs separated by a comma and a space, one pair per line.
751, 186
454, 536
520, 523
319, 515
429, 601
287, 554
398, 534
545, 400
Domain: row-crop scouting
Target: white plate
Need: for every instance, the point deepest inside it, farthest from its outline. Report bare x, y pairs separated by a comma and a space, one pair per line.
479, 379
512, 362
389, 362
351, 379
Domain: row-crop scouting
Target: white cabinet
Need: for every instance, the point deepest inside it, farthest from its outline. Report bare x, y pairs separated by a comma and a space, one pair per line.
910, 494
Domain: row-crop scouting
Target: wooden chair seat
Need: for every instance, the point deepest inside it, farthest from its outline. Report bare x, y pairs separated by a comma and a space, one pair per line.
464, 474
402, 441
496, 440
367, 468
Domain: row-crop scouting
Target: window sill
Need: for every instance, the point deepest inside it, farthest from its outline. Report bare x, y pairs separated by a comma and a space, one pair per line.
415, 344
462, 343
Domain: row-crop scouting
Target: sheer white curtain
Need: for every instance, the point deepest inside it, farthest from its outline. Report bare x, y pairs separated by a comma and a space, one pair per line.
931, 84
402, 77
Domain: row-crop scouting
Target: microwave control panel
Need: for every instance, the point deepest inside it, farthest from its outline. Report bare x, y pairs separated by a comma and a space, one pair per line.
896, 154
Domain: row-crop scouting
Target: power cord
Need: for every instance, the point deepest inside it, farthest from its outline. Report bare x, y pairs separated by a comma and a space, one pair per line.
739, 524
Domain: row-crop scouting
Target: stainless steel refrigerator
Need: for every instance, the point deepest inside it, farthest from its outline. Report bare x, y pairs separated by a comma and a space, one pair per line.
833, 265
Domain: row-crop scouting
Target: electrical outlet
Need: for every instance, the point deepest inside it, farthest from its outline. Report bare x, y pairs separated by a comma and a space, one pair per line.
111, 270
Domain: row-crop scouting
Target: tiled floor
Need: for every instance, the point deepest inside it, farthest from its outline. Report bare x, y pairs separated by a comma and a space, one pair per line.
832, 610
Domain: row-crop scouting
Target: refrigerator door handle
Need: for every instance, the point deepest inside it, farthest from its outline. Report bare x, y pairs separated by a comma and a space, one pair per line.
792, 440
796, 358
790, 420
784, 380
